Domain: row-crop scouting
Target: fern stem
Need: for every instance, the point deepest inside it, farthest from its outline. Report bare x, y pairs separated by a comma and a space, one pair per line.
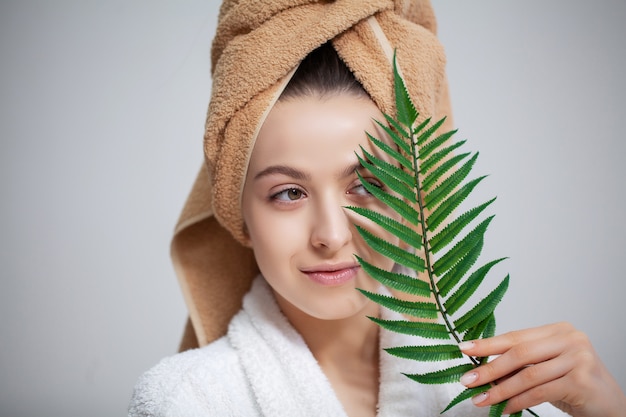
427, 252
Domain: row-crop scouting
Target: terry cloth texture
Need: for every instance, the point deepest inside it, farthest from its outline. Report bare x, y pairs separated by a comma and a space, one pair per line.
257, 47
262, 367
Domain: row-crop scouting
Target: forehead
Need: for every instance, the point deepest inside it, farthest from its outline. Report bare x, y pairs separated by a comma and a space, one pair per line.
309, 127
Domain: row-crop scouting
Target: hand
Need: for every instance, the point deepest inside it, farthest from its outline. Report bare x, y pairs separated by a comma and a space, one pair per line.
554, 363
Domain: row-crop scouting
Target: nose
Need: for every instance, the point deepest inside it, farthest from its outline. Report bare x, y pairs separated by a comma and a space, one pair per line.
331, 227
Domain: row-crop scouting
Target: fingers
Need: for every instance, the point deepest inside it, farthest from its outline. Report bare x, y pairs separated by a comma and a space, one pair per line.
535, 396
530, 386
500, 344
554, 363
518, 357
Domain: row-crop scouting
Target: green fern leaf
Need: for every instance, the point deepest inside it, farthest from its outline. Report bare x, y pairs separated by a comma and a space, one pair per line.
490, 328
444, 376
497, 410
402, 132
418, 129
415, 328
405, 109
390, 169
437, 157
428, 185
477, 331
389, 179
402, 160
429, 353
453, 229
460, 250
465, 291
398, 138
483, 309
432, 178
397, 204
466, 394
447, 282
397, 281
442, 190
398, 255
440, 214
424, 310
393, 226
432, 145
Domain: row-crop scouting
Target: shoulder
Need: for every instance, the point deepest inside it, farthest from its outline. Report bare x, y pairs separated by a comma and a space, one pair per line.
195, 382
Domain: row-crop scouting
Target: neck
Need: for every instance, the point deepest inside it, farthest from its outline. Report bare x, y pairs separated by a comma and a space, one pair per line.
340, 341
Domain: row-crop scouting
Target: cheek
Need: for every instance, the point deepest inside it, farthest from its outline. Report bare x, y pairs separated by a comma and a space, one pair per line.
274, 236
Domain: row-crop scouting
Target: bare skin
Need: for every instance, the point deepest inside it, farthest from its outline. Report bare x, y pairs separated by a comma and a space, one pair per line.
554, 363
347, 351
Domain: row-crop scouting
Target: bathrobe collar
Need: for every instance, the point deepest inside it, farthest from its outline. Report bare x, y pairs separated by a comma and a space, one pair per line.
287, 380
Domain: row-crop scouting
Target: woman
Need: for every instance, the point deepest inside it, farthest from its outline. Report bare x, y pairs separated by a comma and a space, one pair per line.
281, 161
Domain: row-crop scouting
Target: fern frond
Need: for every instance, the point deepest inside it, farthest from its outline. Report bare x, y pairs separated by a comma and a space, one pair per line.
455, 227
397, 254
390, 169
393, 226
399, 139
432, 178
432, 145
480, 329
402, 160
496, 410
395, 280
443, 376
429, 183
460, 250
423, 310
465, 291
405, 109
490, 328
428, 353
439, 156
483, 309
449, 184
466, 394
397, 204
440, 214
447, 282
415, 328
391, 181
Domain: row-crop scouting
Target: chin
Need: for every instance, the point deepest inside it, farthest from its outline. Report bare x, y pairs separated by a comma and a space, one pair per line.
340, 307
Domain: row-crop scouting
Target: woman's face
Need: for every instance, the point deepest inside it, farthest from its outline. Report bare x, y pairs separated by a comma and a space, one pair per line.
300, 177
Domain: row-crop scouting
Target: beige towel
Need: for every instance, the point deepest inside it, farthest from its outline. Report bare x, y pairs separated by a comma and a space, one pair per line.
258, 45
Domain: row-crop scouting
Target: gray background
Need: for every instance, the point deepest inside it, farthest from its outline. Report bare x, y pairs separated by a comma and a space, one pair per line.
102, 112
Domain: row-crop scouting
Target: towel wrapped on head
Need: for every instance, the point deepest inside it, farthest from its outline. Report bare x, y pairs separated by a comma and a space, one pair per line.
257, 47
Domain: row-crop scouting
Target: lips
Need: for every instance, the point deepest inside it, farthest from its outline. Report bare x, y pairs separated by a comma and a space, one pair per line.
332, 275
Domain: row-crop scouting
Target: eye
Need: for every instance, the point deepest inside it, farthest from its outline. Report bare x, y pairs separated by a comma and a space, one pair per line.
289, 194
359, 188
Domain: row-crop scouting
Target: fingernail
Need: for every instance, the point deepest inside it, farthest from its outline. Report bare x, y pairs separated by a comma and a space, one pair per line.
468, 378
482, 397
466, 345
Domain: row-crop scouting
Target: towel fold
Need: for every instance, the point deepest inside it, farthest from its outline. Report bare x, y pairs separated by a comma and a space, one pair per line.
257, 47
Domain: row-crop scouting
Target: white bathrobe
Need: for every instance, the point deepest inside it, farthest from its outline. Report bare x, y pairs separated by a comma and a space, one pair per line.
262, 367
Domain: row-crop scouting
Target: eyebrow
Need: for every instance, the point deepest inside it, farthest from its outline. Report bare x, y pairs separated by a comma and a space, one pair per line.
351, 169
299, 175
283, 170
